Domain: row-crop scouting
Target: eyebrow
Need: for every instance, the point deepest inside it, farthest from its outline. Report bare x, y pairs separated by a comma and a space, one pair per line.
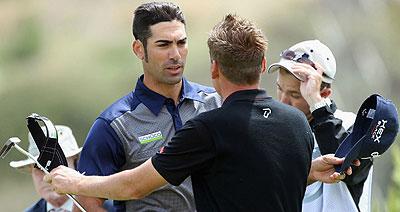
169, 41
289, 91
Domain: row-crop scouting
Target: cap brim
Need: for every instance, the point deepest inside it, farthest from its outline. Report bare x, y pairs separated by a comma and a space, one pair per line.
285, 64
349, 151
22, 164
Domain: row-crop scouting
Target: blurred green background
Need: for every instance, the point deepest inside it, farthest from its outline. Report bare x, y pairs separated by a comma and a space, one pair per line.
68, 60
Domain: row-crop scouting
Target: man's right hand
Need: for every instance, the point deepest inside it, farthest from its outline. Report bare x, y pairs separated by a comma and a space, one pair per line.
323, 169
310, 86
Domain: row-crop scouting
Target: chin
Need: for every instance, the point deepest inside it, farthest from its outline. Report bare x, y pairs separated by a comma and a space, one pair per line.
173, 80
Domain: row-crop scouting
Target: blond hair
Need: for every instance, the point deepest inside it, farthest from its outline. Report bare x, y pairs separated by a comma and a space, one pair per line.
238, 46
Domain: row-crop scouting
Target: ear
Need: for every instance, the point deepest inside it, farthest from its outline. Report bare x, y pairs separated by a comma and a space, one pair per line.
263, 65
138, 49
214, 70
326, 92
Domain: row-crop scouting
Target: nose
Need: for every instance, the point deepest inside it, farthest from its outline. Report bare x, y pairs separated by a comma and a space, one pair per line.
284, 99
174, 53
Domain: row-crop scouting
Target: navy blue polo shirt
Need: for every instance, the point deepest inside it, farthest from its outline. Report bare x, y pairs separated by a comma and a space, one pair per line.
252, 154
136, 127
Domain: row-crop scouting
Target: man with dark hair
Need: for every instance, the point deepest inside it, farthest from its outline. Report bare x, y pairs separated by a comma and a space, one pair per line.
152, 13
247, 155
306, 71
139, 124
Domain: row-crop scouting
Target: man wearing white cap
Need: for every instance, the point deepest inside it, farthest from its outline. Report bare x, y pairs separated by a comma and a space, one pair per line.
305, 74
50, 200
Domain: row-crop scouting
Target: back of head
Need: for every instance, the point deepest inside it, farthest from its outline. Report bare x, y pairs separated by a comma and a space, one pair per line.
238, 46
152, 13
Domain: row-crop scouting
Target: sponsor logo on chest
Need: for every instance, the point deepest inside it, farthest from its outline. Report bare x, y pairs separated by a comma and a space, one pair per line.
155, 136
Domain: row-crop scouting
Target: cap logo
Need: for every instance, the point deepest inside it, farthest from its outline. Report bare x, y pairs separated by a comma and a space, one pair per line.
380, 127
375, 154
370, 114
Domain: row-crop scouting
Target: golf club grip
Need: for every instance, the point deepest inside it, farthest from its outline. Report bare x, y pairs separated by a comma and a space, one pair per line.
47, 172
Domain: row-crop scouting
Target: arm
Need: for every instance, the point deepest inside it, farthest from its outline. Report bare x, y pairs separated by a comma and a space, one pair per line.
102, 154
186, 153
90, 204
329, 131
130, 184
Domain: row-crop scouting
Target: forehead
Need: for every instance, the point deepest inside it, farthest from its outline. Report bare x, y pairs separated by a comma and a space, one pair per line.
168, 30
288, 81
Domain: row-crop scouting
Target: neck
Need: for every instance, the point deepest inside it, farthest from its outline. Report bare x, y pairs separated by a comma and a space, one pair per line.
57, 200
227, 88
169, 91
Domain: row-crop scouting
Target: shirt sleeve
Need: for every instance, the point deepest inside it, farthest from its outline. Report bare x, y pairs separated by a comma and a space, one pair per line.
328, 130
190, 151
103, 153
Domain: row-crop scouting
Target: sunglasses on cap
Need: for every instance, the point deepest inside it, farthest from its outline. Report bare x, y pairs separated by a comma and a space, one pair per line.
304, 58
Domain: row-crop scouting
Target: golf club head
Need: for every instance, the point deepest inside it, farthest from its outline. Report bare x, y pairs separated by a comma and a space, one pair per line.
8, 145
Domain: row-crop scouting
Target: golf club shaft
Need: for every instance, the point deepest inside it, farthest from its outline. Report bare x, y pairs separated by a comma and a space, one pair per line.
47, 172
32, 158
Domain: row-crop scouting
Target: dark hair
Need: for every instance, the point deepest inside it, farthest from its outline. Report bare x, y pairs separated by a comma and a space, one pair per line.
325, 85
152, 13
238, 46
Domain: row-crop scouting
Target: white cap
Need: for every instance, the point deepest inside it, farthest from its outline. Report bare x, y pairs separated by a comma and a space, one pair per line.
66, 140
318, 53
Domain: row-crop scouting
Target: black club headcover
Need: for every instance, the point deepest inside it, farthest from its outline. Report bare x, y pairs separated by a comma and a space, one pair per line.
51, 154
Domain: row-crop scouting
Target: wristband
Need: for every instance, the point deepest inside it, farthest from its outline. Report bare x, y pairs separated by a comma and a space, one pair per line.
323, 103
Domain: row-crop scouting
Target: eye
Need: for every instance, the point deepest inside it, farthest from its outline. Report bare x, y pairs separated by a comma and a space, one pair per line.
162, 44
296, 96
279, 87
182, 42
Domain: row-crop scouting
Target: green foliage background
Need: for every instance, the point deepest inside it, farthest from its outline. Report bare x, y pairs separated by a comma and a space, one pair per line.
68, 60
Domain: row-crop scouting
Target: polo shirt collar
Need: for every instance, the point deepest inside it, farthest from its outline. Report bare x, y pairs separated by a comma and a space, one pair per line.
155, 101
67, 206
245, 95
190, 92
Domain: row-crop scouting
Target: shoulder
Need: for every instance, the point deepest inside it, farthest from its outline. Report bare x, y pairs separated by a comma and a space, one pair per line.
127, 103
209, 116
287, 119
201, 88
37, 207
206, 94
287, 110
